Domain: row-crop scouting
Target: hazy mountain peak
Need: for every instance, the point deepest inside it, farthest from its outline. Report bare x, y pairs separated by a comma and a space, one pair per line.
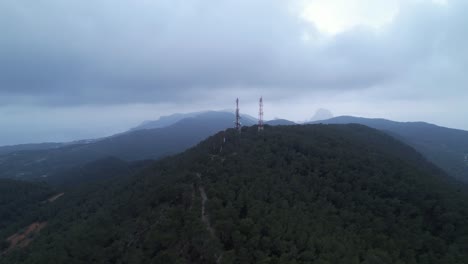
164, 121
322, 114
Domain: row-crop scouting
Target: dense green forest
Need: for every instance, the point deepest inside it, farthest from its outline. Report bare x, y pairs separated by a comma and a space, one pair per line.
101, 169
292, 194
20, 204
445, 147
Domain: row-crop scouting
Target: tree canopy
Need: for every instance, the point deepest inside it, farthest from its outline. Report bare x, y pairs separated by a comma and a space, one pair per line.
291, 194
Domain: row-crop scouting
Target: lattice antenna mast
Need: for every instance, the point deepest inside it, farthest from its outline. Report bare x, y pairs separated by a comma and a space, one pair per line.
237, 122
260, 114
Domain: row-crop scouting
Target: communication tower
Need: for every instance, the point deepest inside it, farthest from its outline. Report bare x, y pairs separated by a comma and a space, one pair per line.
260, 114
237, 122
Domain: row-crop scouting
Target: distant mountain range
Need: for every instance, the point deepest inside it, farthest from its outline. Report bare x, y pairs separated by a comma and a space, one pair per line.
48, 161
133, 145
165, 121
162, 122
445, 147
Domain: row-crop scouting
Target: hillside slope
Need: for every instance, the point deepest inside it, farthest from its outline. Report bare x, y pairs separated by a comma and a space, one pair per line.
293, 194
98, 170
18, 201
446, 147
15, 148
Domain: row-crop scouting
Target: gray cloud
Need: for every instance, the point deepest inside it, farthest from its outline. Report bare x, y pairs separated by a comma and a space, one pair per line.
74, 53
138, 51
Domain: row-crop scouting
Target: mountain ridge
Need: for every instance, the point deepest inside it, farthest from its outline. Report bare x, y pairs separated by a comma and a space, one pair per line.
303, 194
446, 147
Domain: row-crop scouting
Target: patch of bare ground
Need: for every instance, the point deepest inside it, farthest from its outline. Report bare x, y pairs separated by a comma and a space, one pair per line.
23, 238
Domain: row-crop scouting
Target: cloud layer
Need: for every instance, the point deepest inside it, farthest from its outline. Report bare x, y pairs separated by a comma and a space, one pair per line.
76, 53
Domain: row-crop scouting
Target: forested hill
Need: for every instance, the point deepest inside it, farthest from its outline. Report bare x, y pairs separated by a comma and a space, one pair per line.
292, 194
446, 147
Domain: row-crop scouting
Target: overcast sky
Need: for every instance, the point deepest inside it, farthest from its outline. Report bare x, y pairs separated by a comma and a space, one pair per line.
81, 69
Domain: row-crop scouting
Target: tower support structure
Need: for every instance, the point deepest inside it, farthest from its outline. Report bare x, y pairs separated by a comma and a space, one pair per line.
260, 114
237, 123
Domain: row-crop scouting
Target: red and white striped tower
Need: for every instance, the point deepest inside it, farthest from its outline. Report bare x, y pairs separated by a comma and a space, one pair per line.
260, 114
